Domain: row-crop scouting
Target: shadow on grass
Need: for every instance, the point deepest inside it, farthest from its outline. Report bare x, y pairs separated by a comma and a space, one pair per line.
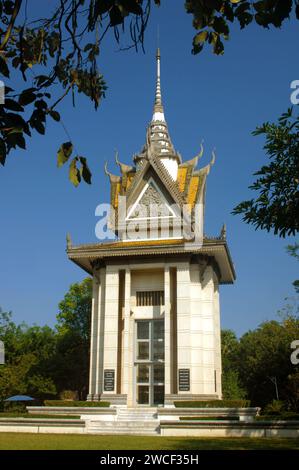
236, 443
22, 441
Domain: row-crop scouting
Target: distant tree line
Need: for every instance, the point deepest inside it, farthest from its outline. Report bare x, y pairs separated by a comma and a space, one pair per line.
43, 362
49, 362
258, 366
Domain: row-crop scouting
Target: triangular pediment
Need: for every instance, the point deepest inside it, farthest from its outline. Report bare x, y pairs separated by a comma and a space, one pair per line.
152, 202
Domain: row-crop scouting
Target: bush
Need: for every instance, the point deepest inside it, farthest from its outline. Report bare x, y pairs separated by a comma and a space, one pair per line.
213, 404
77, 403
283, 416
68, 395
274, 408
15, 407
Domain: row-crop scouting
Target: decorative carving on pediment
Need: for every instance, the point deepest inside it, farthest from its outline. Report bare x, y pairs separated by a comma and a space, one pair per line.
151, 198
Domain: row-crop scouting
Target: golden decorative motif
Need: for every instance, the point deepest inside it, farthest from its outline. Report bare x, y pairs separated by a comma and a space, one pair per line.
181, 179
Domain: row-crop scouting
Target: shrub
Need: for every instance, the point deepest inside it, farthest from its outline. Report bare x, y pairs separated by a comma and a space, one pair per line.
76, 403
68, 395
283, 416
15, 407
213, 404
274, 408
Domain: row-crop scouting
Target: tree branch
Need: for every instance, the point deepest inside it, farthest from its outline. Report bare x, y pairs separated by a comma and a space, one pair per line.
63, 96
14, 15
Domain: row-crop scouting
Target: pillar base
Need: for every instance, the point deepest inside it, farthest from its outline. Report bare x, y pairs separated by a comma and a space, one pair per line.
113, 398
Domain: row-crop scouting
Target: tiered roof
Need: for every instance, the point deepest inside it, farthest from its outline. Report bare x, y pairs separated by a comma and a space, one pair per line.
183, 182
189, 182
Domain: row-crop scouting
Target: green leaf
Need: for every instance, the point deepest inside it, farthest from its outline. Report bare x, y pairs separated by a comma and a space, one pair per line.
38, 126
41, 80
55, 115
27, 96
2, 152
101, 6
241, 8
259, 6
3, 67
245, 18
262, 19
14, 139
13, 105
220, 25
88, 47
20, 141
74, 173
115, 16
64, 153
13, 120
200, 38
132, 6
85, 171
282, 11
41, 104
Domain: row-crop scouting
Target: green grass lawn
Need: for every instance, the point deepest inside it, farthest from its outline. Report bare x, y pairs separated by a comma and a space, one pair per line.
22, 441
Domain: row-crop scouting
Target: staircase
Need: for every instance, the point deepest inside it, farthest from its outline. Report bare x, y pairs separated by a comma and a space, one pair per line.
133, 421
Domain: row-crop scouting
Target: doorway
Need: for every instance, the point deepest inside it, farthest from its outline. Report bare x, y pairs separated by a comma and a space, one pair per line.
149, 362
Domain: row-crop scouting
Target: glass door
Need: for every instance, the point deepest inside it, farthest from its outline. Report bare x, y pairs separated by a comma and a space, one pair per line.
150, 362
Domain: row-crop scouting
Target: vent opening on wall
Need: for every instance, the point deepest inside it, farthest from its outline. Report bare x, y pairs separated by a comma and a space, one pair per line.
149, 298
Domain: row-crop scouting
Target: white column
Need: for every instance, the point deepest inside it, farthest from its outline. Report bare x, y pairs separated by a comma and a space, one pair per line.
127, 341
100, 334
197, 340
217, 328
183, 319
208, 332
93, 338
167, 325
111, 322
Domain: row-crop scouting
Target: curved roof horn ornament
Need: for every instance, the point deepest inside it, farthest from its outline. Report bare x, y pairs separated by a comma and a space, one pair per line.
213, 156
200, 153
106, 168
123, 166
113, 178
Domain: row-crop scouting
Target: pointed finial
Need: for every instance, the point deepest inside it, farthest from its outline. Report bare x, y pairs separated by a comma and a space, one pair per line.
223, 232
158, 108
116, 157
68, 241
158, 36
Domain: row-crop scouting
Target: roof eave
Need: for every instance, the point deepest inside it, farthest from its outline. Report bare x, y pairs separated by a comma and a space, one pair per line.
83, 255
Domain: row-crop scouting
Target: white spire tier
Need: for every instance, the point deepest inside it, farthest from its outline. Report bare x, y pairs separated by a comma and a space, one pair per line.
158, 141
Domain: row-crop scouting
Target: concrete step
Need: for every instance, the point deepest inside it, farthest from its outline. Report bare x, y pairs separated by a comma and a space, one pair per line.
123, 427
137, 414
128, 417
123, 432
138, 432
115, 424
137, 421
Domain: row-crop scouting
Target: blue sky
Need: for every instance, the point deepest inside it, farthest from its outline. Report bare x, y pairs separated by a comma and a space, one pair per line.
218, 99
